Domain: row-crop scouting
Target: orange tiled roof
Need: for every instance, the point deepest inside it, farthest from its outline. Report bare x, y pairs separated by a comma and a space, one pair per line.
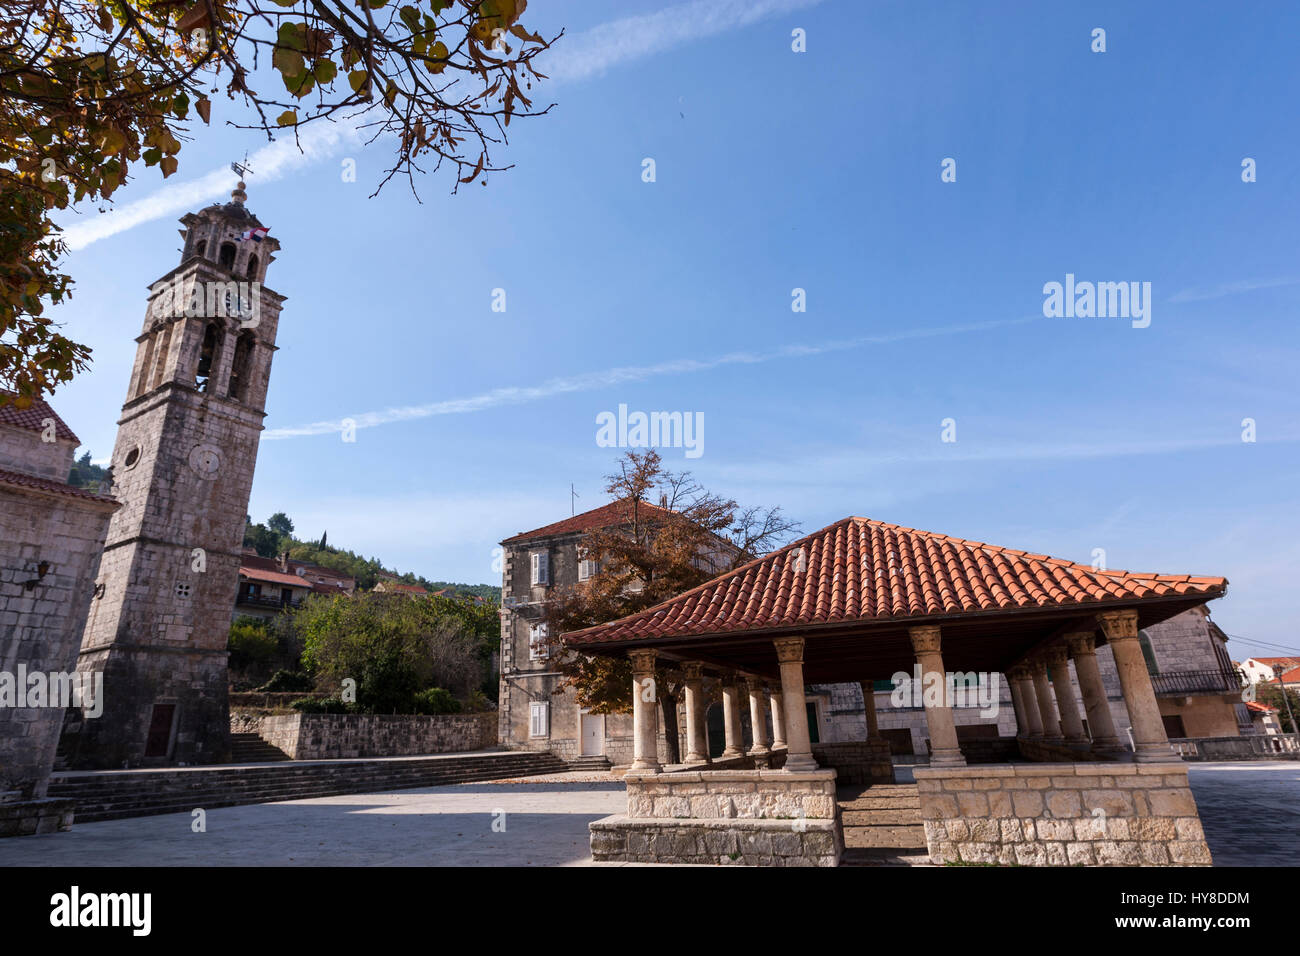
33, 418
863, 570
1259, 708
23, 480
254, 573
606, 516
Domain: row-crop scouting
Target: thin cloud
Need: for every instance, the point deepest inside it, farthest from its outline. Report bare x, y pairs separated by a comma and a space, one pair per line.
586, 54
594, 51
592, 381
269, 163
1231, 288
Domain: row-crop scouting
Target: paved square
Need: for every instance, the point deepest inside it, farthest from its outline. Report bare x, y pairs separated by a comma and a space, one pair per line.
1250, 811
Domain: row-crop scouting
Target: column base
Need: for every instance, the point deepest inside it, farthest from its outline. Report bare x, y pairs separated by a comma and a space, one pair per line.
694, 758
645, 766
731, 752
778, 745
947, 758
800, 763
1107, 745
1156, 753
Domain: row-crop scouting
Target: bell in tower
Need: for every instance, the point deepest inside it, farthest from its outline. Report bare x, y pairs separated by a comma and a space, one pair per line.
183, 468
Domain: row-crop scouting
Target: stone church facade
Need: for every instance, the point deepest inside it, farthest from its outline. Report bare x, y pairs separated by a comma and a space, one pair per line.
51, 535
183, 468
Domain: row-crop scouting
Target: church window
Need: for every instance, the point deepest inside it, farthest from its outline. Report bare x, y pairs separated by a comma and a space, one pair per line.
132, 457
227, 255
209, 350
182, 590
252, 267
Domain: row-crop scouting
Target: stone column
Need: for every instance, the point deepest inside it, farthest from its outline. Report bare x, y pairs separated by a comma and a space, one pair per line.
1083, 649
735, 734
1046, 706
1066, 701
789, 651
1033, 728
1121, 630
645, 723
697, 746
869, 707
758, 720
1017, 704
944, 749
778, 721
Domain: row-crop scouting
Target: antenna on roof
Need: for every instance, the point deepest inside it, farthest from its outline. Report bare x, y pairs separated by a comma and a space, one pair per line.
573, 497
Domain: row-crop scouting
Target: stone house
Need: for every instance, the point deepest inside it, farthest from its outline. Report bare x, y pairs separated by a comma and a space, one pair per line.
538, 565
268, 586
51, 536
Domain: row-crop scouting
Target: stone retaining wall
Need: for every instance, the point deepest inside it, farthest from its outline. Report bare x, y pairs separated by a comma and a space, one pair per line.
1090, 814
1245, 747
332, 736
747, 817
857, 761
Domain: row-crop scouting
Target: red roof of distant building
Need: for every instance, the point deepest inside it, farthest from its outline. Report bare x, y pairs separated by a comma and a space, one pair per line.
33, 418
1279, 661
404, 588
1292, 676
859, 569
606, 516
272, 576
1259, 708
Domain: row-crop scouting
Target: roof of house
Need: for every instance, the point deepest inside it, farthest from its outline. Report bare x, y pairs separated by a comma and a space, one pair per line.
606, 516
1259, 708
1291, 677
21, 480
33, 417
404, 588
863, 570
1275, 661
276, 576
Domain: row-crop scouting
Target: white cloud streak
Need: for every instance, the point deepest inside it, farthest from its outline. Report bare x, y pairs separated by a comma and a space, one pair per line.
594, 51
1230, 288
592, 381
583, 55
269, 163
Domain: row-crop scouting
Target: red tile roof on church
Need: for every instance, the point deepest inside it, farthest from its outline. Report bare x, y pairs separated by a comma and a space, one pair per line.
33, 417
606, 516
50, 485
863, 570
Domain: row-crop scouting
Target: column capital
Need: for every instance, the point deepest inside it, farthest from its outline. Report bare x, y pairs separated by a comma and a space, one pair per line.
789, 650
692, 670
756, 685
1036, 666
1119, 625
1055, 656
1018, 672
643, 661
1081, 643
925, 638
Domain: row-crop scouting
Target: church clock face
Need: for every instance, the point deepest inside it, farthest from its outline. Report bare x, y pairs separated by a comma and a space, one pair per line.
205, 460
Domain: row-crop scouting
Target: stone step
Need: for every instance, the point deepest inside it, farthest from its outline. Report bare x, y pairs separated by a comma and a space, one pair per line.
112, 796
881, 803
909, 816
908, 837
884, 856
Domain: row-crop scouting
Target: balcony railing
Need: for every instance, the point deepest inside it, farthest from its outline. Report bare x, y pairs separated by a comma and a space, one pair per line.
1180, 683
258, 600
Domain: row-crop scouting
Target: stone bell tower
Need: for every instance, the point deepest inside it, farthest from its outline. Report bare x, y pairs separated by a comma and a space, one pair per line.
182, 468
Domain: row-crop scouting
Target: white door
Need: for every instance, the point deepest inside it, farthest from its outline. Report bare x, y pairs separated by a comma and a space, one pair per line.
593, 735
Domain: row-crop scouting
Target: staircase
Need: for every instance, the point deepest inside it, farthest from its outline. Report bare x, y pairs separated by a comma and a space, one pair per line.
250, 748
590, 764
882, 825
114, 795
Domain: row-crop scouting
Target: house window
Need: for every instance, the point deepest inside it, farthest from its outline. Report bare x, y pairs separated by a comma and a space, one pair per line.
541, 568
586, 569
539, 718
538, 650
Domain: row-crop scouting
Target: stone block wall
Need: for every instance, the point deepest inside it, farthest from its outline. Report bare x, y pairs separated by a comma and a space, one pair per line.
746, 817
1085, 814
858, 761
333, 736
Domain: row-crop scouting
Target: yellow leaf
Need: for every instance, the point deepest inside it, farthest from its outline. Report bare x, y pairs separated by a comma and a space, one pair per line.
168, 165
287, 118
204, 107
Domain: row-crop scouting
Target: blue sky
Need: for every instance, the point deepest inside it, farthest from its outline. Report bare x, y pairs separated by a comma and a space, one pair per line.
775, 170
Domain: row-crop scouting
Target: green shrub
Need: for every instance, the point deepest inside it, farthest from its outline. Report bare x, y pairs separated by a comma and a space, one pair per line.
321, 705
250, 645
436, 700
285, 682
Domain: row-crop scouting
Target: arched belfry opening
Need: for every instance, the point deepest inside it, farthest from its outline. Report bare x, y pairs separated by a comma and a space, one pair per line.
201, 248
227, 255
252, 267
209, 352
242, 366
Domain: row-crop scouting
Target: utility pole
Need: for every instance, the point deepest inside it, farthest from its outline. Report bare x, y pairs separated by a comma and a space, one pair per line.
573, 497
